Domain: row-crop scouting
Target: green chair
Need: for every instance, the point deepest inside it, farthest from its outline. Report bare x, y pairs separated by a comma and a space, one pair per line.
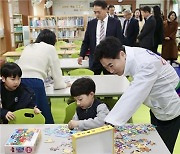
80, 71
78, 44
19, 49
8, 59
75, 55
27, 116
70, 111
110, 102
142, 115
59, 44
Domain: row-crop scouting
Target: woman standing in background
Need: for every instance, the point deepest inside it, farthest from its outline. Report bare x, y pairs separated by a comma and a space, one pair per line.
138, 16
169, 46
158, 34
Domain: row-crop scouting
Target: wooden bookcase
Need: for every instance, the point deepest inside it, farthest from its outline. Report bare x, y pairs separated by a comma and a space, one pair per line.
65, 27
2, 36
18, 30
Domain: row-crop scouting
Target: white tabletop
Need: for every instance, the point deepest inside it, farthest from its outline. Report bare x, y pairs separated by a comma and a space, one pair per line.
18, 53
6, 131
72, 63
106, 85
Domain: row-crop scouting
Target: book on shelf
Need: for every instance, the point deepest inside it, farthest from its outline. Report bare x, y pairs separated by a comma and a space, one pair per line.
70, 22
51, 22
18, 38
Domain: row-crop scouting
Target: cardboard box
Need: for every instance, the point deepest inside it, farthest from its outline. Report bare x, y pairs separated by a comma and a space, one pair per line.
22, 141
95, 141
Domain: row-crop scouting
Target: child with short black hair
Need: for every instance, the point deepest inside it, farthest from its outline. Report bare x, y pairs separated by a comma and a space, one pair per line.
14, 95
90, 112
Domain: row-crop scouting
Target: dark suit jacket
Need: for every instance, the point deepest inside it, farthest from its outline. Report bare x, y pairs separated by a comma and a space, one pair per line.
89, 42
115, 16
146, 36
132, 32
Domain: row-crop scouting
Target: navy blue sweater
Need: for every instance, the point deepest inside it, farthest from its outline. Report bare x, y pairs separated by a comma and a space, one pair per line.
22, 97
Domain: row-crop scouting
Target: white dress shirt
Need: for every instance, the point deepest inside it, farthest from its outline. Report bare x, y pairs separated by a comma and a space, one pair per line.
98, 29
154, 83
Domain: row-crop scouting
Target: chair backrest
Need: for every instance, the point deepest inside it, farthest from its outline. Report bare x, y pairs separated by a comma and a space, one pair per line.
75, 55
70, 111
110, 102
20, 49
80, 71
27, 116
178, 89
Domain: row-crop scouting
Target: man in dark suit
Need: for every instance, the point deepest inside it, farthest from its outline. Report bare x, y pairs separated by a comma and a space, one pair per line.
98, 29
146, 36
111, 12
130, 29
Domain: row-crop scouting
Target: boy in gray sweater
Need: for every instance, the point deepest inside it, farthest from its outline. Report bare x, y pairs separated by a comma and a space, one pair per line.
90, 112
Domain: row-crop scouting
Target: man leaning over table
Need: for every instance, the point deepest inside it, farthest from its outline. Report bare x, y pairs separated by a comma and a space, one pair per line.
154, 83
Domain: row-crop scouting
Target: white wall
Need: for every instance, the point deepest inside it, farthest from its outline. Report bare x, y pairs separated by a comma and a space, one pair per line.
72, 7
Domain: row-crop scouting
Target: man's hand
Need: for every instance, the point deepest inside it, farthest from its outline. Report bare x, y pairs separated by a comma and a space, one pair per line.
36, 110
80, 60
10, 116
73, 124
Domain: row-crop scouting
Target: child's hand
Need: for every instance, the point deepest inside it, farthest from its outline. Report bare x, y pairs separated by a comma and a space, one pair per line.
73, 124
10, 116
36, 110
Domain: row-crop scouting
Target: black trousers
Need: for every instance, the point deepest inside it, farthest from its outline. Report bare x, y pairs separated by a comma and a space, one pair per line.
168, 130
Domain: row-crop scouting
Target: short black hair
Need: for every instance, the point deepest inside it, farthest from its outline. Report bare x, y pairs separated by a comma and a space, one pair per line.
100, 3
108, 48
46, 36
11, 69
110, 6
146, 9
170, 13
82, 86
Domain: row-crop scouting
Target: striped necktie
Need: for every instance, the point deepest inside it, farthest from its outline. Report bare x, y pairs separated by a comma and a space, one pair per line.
125, 29
102, 31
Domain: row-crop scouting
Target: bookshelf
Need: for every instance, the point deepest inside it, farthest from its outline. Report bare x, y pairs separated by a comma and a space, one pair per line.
18, 29
37, 23
69, 27
65, 27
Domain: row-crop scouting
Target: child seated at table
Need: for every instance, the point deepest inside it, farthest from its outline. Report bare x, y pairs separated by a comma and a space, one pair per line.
90, 112
14, 95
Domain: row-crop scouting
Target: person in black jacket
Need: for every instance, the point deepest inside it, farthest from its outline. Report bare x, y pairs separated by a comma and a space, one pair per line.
97, 29
14, 95
111, 12
130, 29
158, 34
146, 36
